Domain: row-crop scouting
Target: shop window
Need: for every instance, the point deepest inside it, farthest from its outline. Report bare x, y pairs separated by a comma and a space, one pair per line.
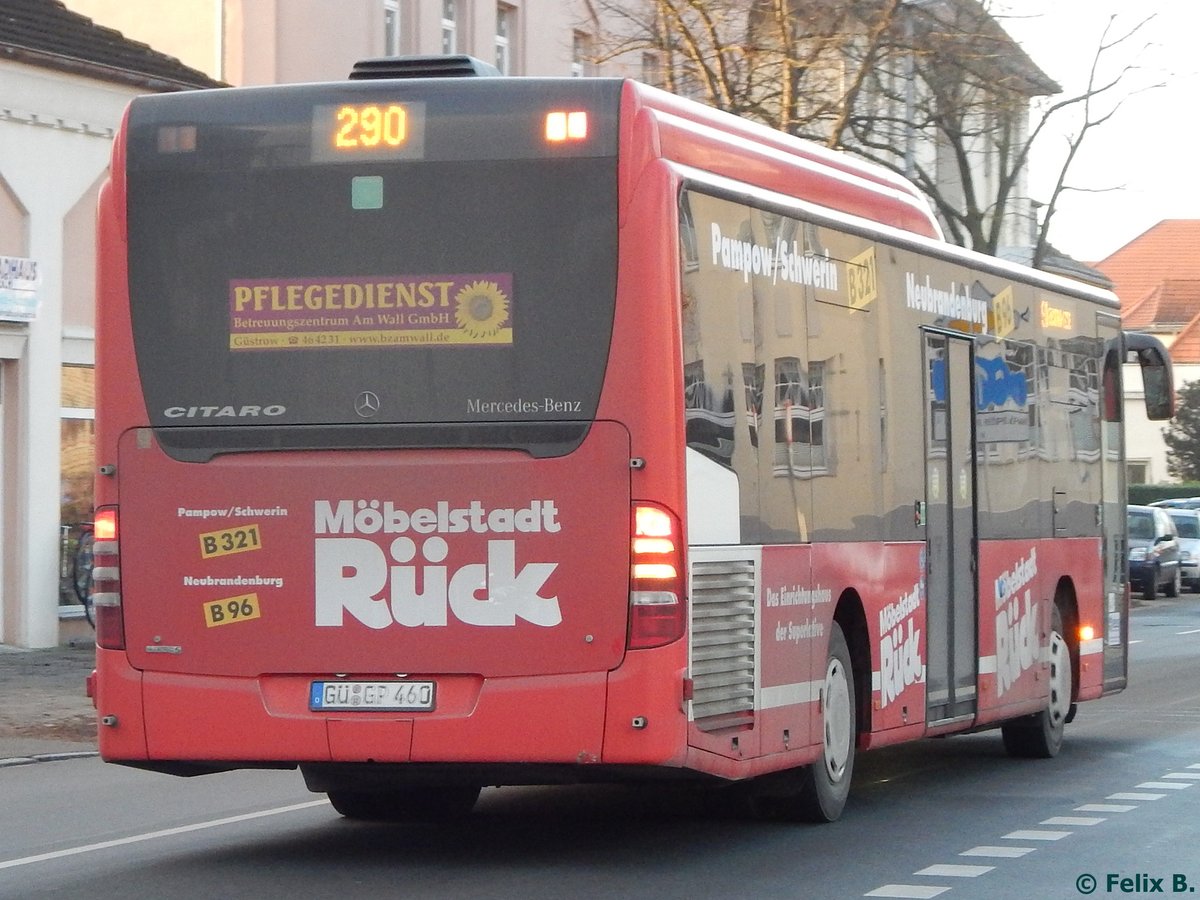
78, 444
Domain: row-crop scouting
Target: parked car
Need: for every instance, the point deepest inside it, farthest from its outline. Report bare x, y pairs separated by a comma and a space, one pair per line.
1153, 552
1177, 503
1187, 525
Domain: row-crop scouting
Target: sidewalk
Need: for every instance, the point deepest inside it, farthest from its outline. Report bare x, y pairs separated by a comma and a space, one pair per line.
45, 710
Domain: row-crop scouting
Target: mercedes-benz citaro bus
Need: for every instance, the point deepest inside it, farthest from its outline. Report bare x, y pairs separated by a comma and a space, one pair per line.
458, 431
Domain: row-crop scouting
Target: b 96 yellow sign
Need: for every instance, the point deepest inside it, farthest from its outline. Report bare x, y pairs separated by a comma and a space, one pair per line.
232, 609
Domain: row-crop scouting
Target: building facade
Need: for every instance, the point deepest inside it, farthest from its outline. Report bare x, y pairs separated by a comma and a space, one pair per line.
1157, 277
68, 76
66, 83
246, 42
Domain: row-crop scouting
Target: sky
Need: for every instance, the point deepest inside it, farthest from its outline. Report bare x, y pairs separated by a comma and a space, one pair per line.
1149, 152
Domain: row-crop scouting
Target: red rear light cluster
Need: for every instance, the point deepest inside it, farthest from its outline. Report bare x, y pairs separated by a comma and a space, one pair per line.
106, 582
657, 611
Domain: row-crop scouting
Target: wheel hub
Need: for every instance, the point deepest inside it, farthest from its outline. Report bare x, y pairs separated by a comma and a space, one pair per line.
837, 720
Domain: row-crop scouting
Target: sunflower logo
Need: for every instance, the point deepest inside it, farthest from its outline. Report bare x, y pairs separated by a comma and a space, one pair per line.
481, 308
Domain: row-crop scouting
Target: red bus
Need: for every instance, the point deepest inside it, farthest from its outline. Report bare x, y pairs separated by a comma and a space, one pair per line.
470, 431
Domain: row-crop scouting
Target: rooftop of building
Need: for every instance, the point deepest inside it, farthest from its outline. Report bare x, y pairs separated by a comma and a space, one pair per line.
45, 33
1168, 250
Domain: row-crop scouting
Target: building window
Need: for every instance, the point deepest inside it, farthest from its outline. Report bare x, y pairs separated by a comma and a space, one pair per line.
753, 380
1137, 471
391, 27
505, 22
652, 70
581, 52
77, 439
449, 26
708, 413
800, 440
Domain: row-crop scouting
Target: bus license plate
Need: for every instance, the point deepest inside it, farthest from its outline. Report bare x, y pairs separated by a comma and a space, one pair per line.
395, 696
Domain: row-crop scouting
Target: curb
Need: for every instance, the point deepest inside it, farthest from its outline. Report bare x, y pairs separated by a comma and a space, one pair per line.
14, 761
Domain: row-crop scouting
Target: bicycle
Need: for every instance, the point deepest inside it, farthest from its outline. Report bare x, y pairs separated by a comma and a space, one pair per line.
76, 566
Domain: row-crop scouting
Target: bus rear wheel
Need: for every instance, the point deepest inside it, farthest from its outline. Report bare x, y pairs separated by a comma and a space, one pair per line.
820, 793
424, 803
1041, 736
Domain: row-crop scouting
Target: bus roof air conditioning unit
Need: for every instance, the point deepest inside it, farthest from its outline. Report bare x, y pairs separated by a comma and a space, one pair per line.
421, 67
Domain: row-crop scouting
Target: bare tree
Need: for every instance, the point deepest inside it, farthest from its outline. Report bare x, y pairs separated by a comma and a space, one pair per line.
981, 104
932, 89
1105, 92
781, 62
961, 103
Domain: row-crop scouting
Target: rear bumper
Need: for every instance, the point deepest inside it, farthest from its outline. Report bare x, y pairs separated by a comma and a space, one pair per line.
194, 723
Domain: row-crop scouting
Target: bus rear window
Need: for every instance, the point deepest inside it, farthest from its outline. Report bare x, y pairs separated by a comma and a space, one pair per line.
379, 303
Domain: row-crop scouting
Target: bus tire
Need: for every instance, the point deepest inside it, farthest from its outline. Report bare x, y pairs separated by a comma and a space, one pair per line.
820, 793
424, 803
1041, 736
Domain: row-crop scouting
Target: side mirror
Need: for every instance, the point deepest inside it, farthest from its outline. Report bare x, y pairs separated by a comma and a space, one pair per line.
1157, 380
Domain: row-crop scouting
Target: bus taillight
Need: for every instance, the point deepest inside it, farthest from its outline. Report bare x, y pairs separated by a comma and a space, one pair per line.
106, 582
104, 528
656, 601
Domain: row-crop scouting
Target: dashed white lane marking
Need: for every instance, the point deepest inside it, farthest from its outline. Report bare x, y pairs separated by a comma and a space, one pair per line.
1073, 820
999, 852
951, 871
1033, 835
1127, 795
154, 835
1181, 780
907, 891
1191, 631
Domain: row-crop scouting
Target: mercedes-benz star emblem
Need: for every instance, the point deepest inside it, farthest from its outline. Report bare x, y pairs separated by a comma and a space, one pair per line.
367, 404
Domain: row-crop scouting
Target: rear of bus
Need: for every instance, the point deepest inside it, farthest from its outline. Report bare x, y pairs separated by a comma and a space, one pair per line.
368, 455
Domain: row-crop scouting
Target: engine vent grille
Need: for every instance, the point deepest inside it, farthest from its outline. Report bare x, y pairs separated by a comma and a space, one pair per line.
723, 601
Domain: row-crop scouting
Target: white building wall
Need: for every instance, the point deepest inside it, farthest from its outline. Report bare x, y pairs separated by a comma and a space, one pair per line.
1144, 442
249, 42
55, 141
314, 40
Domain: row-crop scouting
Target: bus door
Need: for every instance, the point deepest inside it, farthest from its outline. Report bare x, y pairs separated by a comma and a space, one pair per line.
952, 610
1112, 506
